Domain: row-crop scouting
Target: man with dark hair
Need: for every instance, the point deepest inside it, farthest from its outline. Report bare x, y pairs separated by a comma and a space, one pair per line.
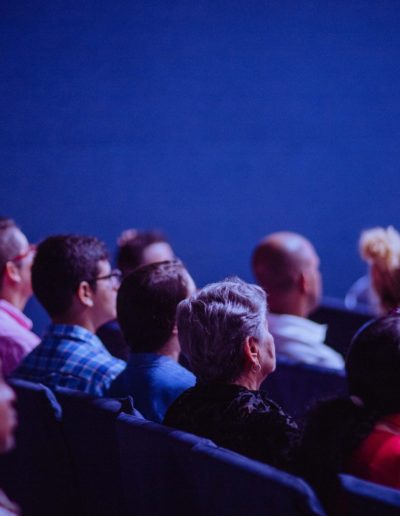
286, 266
135, 248
146, 307
16, 337
72, 278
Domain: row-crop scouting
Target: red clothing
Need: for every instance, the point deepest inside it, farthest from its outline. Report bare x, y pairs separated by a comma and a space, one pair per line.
378, 457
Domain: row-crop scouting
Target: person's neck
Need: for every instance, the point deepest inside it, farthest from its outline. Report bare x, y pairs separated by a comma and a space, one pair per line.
14, 298
75, 319
249, 382
290, 307
171, 348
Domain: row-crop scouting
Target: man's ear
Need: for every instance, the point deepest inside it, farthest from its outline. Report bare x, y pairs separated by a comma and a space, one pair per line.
303, 282
12, 271
175, 330
85, 294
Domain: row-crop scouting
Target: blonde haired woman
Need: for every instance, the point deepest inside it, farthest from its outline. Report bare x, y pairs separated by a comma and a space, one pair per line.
380, 247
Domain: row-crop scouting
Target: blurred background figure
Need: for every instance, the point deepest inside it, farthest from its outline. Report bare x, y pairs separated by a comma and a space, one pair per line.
380, 291
286, 266
135, 248
8, 423
360, 434
16, 255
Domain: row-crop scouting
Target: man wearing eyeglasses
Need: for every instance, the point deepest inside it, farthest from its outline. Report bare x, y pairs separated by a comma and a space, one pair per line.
72, 278
16, 255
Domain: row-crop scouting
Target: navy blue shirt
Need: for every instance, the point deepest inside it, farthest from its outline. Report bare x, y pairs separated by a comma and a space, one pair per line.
154, 381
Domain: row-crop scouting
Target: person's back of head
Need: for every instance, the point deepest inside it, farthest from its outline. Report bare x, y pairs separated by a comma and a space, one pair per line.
380, 247
335, 428
147, 302
214, 325
286, 266
137, 248
15, 264
67, 278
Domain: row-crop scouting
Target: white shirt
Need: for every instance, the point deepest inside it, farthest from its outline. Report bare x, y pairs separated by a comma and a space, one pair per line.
300, 339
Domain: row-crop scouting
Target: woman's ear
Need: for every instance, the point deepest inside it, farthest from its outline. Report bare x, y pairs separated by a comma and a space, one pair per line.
251, 350
85, 294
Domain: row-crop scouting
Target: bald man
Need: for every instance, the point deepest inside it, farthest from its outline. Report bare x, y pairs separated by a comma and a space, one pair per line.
286, 266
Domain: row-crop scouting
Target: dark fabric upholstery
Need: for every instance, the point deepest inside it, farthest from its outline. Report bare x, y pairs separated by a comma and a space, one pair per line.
89, 427
295, 386
342, 323
38, 474
363, 498
227, 483
155, 463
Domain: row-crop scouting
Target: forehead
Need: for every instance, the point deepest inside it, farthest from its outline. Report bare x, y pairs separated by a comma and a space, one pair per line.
157, 252
103, 267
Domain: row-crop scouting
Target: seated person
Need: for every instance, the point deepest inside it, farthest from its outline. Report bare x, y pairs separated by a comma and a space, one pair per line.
8, 423
72, 278
146, 306
286, 266
224, 332
16, 255
135, 248
381, 249
360, 434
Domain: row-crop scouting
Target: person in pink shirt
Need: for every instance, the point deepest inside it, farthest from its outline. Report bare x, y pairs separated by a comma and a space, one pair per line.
16, 255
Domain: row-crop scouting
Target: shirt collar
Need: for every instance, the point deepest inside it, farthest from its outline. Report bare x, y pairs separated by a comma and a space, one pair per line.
290, 325
73, 332
16, 314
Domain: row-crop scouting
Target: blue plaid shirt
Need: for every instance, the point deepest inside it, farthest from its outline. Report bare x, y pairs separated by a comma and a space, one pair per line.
70, 356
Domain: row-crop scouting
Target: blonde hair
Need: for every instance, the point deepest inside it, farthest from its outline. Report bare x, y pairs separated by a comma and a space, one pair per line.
380, 247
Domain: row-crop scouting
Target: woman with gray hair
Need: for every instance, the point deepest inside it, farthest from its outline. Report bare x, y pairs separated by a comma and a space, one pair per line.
223, 331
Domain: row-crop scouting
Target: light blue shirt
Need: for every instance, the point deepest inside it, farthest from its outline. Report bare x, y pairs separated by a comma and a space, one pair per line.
154, 381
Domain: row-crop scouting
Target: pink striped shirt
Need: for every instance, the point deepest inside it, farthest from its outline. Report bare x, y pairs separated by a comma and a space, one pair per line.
16, 337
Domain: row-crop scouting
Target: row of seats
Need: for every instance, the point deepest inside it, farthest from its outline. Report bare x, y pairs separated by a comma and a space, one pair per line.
295, 386
78, 455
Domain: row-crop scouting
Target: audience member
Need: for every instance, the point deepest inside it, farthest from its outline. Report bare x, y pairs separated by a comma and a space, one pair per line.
8, 423
135, 248
224, 331
286, 266
146, 306
381, 249
16, 337
359, 434
72, 278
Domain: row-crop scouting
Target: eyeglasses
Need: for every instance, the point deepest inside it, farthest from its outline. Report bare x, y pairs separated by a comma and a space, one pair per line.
30, 250
115, 276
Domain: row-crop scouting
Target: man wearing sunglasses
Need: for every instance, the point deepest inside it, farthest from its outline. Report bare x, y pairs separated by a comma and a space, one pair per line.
16, 255
72, 278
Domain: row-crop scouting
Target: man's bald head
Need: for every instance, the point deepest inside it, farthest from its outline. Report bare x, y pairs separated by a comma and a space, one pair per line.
286, 265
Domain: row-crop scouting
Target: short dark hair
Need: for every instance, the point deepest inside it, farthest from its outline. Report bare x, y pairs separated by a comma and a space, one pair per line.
130, 252
61, 263
147, 301
213, 325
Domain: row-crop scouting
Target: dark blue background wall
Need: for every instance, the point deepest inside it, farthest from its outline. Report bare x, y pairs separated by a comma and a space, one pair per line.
217, 120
